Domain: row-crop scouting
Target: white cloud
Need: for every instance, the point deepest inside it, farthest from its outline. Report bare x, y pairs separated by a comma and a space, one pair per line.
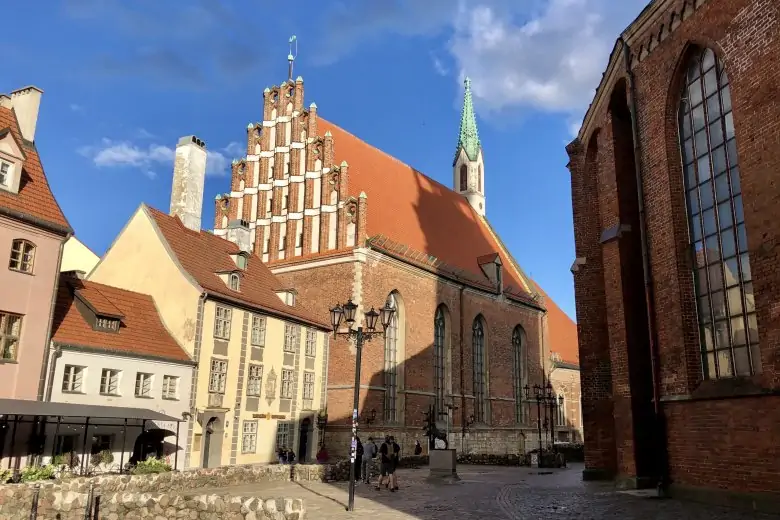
125, 154
545, 55
143, 133
438, 66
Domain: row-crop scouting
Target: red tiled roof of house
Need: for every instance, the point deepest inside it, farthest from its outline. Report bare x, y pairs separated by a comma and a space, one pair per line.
409, 208
203, 255
35, 198
141, 332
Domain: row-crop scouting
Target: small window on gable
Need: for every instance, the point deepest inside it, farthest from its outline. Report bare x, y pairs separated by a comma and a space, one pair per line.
106, 324
235, 282
22, 256
241, 260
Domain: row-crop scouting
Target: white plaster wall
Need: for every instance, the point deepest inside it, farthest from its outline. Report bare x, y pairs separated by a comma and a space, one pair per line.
129, 366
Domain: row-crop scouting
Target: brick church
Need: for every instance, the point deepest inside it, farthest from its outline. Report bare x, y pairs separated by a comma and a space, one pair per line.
339, 219
674, 181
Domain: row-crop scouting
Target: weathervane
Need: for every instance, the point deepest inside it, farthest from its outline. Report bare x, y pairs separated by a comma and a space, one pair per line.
291, 57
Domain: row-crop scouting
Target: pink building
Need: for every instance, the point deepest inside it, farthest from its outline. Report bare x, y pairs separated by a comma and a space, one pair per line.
33, 231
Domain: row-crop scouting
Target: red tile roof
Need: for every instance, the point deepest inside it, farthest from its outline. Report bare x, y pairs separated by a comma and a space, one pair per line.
409, 208
141, 332
35, 198
203, 255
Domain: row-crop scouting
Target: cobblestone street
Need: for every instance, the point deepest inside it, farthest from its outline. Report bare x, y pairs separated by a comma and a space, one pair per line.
507, 493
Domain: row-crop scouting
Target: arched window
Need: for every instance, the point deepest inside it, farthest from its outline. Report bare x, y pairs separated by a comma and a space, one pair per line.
464, 177
235, 282
518, 336
724, 291
478, 342
480, 187
22, 256
561, 419
391, 362
439, 359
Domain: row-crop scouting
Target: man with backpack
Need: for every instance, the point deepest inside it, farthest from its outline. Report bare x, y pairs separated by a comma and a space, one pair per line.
369, 454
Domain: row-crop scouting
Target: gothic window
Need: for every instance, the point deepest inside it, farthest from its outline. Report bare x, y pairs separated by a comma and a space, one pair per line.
478, 343
439, 358
464, 179
517, 371
479, 178
391, 363
728, 332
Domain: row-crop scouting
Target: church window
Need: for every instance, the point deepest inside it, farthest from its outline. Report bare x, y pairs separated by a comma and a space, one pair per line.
480, 379
480, 187
517, 373
439, 359
391, 362
464, 179
728, 332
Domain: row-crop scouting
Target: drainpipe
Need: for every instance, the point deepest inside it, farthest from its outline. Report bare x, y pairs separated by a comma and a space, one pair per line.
55, 351
462, 374
660, 422
45, 361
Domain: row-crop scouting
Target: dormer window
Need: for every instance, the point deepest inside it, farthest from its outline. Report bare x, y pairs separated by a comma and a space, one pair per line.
22, 256
234, 282
241, 260
12, 158
106, 324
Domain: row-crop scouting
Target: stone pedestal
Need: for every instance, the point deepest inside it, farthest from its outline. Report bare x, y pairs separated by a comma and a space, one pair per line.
443, 466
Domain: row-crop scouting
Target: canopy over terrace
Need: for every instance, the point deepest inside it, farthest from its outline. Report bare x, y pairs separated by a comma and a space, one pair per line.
16, 410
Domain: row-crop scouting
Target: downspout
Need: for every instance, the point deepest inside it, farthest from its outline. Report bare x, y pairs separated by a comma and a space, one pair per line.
55, 352
462, 373
45, 361
660, 422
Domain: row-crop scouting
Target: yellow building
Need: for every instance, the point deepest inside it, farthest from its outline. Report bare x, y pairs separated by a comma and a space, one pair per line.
262, 356
77, 257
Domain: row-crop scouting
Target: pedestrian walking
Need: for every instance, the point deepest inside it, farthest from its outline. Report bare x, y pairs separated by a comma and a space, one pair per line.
369, 454
358, 459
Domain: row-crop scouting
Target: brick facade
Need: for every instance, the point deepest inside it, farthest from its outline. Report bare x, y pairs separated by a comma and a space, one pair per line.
719, 432
361, 225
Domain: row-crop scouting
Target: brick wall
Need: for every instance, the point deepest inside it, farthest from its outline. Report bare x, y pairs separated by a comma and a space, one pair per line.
369, 283
708, 429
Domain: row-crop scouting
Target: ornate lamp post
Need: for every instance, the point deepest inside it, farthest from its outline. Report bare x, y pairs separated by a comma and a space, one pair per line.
346, 313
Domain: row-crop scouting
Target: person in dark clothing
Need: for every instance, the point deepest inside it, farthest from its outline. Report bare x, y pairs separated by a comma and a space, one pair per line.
395, 459
358, 459
417, 448
370, 451
385, 465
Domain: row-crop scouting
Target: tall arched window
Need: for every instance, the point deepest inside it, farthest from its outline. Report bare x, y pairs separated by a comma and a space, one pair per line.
464, 178
391, 363
518, 336
478, 342
724, 291
480, 187
439, 359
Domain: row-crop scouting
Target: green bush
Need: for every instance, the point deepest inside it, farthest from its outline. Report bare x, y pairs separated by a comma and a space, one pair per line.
102, 457
70, 460
149, 466
5, 475
33, 473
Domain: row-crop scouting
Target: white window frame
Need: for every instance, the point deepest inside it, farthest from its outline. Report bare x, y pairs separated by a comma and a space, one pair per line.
223, 317
143, 384
170, 387
308, 385
249, 437
218, 376
288, 380
254, 380
73, 379
109, 381
283, 435
257, 338
311, 342
5, 176
234, 282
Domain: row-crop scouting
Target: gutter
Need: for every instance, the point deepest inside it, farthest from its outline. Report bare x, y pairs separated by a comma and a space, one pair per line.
38, 222
50, 326
271, 312
660, 419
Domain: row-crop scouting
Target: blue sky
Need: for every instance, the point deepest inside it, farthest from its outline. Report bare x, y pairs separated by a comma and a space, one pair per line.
124, 80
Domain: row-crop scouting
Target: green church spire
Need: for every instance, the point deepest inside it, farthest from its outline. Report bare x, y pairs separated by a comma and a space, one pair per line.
468, 137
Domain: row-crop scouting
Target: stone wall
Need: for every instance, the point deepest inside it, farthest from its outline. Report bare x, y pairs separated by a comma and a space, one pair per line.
71, 506
64, 496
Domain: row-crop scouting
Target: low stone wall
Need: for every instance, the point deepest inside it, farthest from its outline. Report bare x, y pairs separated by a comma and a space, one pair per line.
64, 495
133, 506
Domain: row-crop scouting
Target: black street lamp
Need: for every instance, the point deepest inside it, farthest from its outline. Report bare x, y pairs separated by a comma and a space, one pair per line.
347, 314
538, 395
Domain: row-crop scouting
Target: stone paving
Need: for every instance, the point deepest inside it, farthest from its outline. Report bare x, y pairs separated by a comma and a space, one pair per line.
488, 492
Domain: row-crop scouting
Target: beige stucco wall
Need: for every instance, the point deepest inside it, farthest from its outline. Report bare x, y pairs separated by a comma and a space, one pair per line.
29, 295
77, 257
128, 366
138, 260
566, 382
238, 357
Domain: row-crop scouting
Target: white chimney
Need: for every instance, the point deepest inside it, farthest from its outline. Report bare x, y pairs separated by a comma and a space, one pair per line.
189, 176
26, 102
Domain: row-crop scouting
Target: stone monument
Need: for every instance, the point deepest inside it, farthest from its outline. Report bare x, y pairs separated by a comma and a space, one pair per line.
442, 461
